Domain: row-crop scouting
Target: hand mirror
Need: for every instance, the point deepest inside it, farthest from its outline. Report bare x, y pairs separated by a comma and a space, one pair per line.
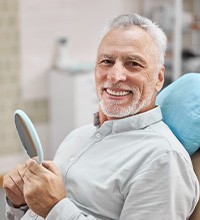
28, 135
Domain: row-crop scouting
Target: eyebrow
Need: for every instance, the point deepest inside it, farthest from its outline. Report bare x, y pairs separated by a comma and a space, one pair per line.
136, 57
126, 57
100, 56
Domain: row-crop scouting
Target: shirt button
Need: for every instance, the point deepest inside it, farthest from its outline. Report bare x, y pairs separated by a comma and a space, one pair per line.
71, 159
33, 214
98, 135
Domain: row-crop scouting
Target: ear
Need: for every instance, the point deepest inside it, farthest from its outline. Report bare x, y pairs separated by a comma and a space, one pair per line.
160, 79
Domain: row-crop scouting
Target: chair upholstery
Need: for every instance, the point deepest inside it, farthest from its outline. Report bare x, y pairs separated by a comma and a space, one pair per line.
180, 105
196, 164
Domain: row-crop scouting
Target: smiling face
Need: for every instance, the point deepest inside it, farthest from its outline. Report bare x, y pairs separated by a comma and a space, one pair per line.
126, 73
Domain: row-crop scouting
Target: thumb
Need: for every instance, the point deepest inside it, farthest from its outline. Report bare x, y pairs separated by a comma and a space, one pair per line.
50, 165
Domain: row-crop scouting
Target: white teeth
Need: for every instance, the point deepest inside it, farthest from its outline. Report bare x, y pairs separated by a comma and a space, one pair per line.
117, 93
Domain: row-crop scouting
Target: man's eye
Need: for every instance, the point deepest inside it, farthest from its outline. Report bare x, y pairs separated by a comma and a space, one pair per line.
133, 63
106, 61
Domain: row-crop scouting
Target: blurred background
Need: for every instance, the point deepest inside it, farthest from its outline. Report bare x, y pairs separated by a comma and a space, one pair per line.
47, 56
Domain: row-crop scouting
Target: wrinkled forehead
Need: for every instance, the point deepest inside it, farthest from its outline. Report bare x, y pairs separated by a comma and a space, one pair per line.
132, 39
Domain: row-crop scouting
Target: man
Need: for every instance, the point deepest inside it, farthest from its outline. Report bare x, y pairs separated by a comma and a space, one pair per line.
128, 165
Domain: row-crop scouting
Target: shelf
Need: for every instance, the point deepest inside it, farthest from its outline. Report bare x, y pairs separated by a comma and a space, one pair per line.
180, 21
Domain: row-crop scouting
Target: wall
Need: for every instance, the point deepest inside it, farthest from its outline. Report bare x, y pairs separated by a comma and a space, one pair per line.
28, 30
43, 22
9, 73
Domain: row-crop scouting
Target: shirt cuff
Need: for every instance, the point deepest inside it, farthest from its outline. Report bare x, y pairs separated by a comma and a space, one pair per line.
65, 209
12, 212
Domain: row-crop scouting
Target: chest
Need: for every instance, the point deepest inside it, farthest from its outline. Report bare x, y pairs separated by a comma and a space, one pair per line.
98, 171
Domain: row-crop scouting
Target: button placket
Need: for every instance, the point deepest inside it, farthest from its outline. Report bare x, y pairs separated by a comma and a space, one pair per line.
71, 159
98, 135
33, 214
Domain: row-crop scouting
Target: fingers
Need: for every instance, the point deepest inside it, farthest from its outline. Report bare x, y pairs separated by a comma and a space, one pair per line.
33, 166
10, 184
13, 180
32, 173
13, 185
51, 167
35, 172
17, 200
28, 177
18, 179
37, 169
12, 195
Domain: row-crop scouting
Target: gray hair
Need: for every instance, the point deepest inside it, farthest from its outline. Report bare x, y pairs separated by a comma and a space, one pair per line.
128, 20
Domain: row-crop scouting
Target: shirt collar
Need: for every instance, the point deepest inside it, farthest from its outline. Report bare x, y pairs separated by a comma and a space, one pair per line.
134, 122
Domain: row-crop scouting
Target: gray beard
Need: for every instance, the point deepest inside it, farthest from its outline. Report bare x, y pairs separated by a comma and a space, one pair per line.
115, 110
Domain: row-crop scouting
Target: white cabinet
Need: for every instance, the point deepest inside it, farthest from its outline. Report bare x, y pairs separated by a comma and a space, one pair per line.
72, 103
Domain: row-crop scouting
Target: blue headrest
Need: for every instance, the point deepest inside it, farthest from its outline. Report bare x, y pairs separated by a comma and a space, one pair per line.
180, 106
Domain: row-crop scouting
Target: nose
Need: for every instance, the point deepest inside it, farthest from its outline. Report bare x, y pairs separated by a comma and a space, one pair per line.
117, 73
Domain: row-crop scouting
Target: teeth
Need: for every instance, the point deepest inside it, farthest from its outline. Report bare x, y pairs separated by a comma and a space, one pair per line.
116, 93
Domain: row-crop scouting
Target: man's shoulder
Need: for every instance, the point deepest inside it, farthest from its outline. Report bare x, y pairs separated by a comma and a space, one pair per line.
169, 140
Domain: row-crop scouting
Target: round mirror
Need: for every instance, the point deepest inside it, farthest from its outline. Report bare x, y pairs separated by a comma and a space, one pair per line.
28, 136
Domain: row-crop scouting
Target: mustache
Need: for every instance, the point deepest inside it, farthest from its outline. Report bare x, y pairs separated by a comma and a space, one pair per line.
118, 85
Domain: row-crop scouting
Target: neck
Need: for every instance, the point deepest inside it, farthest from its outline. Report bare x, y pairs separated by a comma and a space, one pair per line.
103, 117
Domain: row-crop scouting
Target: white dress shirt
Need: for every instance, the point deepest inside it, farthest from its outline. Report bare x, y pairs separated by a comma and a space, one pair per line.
128, 169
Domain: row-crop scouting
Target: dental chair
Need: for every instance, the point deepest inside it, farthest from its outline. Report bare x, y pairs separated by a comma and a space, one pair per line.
180, 105
196, 165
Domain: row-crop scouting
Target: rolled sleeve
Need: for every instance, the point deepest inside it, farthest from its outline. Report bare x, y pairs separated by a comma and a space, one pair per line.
67, 210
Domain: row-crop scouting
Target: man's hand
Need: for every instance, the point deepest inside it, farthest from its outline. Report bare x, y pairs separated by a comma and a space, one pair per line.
43, 186
13, 185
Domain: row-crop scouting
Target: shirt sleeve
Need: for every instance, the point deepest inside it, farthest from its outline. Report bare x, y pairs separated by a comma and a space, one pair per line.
67, 210
14, 213
166, 189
